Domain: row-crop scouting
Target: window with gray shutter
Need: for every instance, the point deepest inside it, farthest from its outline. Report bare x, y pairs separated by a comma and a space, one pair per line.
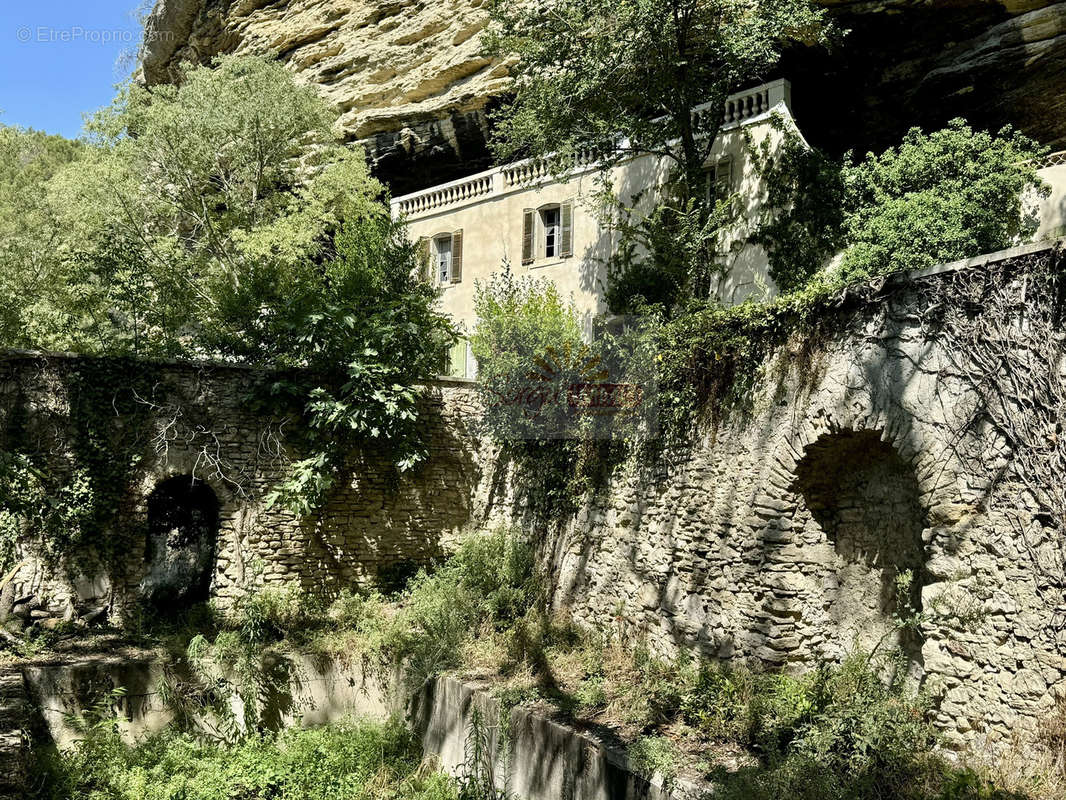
528, 220
443, 246
566, 235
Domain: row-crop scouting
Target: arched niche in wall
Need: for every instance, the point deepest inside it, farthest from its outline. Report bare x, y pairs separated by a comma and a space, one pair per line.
866, 499
183, 522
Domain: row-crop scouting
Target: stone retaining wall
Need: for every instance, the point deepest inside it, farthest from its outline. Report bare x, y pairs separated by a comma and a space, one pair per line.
203, 421
778, 535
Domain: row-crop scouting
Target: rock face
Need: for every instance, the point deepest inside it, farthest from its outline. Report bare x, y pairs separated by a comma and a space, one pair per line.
407, 75
413, 86
910, 63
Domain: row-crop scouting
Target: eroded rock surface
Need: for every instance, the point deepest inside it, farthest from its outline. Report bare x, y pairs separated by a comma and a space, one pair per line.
413, 86
407, 75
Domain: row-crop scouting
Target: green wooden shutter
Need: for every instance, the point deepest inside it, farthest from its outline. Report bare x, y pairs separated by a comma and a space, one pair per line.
527, 236
566, 229
457, 360
457, 256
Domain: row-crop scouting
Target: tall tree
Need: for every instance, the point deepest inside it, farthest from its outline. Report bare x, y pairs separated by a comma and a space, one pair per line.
28, 235
223, 217
587, 71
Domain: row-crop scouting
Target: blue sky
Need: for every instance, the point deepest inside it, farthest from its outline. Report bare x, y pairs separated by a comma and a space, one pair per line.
60, 58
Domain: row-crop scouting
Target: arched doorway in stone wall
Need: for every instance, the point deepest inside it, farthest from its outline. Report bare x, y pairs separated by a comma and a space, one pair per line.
183, 521
866, 500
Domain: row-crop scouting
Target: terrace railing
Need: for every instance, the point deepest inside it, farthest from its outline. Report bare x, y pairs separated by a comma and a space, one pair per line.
739, 108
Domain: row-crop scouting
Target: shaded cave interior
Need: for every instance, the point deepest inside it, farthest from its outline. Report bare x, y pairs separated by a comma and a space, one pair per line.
183, 523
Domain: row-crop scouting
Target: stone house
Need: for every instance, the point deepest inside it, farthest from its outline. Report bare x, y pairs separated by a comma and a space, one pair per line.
541, 225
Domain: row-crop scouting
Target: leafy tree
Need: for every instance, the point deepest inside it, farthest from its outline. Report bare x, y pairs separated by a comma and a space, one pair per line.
224, 218
663, 258
936, 197
196, 207
529, 348
28, 232
939, 197
588, 71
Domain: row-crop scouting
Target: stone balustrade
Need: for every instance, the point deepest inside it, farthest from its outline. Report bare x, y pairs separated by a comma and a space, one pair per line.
738, 109
449, 194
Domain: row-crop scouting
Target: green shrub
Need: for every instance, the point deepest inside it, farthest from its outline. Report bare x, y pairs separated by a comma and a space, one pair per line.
491, 579
270, 613
653, 754
936, 197
342, 761
350, 610
528, 344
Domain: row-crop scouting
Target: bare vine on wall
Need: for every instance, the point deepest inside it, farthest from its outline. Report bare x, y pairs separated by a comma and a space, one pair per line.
1002, 330
180, 421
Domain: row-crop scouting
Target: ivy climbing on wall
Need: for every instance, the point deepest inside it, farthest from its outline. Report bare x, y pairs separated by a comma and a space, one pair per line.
67, 470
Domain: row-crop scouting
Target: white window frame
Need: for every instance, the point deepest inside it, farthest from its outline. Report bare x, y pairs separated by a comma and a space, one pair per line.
442, 244
550, 232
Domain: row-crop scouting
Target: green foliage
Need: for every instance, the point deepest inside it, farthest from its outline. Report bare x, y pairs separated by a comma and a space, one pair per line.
665, 257
561, 409
840, 731
364, 336
490, 580
224, 218
802, 222
529, 349
28, 233
67, 499
935, 198
649, 755
939, 197
522, 324
272, 613
588, 71
341, 761
30, 505
948, 195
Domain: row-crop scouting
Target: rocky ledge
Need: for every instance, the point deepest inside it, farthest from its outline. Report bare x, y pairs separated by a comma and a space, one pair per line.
413, 86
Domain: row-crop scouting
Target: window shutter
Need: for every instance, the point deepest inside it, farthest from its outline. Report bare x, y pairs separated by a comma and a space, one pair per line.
723, 179
566, 229
527, 236
457, 256
425, 255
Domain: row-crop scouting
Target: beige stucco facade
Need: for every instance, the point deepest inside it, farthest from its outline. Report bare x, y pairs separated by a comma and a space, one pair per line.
491, 211
522, 217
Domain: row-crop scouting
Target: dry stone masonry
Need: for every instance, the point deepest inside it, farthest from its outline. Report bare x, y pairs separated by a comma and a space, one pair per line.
206, 458
778, 535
